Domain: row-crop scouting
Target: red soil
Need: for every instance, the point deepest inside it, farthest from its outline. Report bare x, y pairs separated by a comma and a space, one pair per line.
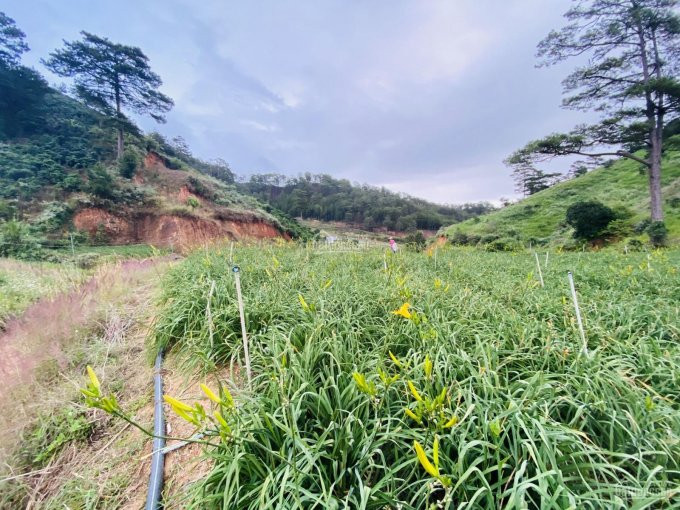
179, 232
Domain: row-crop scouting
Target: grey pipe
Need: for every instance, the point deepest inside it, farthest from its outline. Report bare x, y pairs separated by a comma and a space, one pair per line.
153, 497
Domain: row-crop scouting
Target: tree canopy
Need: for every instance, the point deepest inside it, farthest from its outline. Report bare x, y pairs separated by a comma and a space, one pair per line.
630, 77
12, 41
324, 198
111, 77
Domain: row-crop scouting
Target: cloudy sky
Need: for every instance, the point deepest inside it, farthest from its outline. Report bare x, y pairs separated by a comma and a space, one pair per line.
422, 96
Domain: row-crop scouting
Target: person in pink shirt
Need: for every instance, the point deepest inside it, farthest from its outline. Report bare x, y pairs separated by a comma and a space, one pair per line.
393, 245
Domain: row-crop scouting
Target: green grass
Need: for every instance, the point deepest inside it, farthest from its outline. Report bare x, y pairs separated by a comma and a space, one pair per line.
22, 283
541, 216
538, 424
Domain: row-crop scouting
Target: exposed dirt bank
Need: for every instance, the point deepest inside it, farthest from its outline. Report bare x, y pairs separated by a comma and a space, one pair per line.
166, 230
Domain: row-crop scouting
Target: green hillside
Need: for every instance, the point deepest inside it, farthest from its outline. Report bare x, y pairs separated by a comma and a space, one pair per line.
539, 218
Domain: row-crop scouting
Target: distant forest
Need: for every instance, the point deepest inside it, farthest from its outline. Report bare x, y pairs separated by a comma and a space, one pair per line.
321, 197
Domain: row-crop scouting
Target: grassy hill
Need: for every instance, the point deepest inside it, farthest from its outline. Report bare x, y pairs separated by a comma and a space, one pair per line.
539, 218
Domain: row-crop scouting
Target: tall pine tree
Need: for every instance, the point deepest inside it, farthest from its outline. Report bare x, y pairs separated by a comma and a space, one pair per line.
110, 78
633, 50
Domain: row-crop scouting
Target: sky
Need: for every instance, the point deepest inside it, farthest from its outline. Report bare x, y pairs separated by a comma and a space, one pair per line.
424, 97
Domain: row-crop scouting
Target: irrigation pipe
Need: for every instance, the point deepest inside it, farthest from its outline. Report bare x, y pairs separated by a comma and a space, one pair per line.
153, 496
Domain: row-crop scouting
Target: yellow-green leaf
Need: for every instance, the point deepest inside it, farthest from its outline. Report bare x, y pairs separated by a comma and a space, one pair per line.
427, 465
414, 392
451, 422
428, 366
412, 415
93, 377
176, 403
209, 393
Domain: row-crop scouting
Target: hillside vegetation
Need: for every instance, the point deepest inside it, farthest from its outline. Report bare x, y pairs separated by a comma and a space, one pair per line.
540, 218
63, 162
321, 197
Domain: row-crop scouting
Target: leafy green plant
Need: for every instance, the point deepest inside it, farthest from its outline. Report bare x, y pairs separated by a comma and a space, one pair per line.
127, 164
657, 232
354, 363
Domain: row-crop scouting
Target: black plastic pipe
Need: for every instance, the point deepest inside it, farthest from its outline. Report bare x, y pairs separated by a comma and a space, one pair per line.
153, 497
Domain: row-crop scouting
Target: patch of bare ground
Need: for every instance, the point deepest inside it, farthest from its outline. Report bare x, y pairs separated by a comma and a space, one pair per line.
54, 452
187, 464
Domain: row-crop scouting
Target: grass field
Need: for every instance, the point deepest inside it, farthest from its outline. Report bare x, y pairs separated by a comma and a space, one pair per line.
541, 216
474, 394
22, 283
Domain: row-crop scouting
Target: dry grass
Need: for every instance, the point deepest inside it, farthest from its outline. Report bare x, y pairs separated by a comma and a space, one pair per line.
104, 324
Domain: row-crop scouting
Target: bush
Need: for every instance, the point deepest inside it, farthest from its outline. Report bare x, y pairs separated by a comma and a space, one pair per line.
658, 233
100, 182
460, 238
193, 202
641, 227
618, 228
72, 182
589, 219
674, 202
503, 244
127, 165
17, 241
415, 240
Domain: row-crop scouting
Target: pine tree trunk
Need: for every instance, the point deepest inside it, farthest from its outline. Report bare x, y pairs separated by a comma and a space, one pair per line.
655, 177
118, 118
120, 143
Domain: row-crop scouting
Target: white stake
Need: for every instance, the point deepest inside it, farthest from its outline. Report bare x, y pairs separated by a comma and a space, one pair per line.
578, 312
435, 259
208, 312
540, 274
237, 279
231, 253
385, 261
546, 259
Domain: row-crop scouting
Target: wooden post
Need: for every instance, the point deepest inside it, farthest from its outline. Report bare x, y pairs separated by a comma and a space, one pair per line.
237, 278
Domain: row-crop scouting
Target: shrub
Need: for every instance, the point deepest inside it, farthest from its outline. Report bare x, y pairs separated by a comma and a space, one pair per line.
127, 165
589, 219
657, 233
87, 260
618, 228
674, 202
415, 240
459, 238
17, 241
100, 182
641, 227
503, 244
193, 202
72, 182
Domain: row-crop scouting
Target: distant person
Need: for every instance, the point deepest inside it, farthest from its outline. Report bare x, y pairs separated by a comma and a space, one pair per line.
393, 245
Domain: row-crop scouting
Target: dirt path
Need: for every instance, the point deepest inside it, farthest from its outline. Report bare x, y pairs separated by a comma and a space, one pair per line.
39, 334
